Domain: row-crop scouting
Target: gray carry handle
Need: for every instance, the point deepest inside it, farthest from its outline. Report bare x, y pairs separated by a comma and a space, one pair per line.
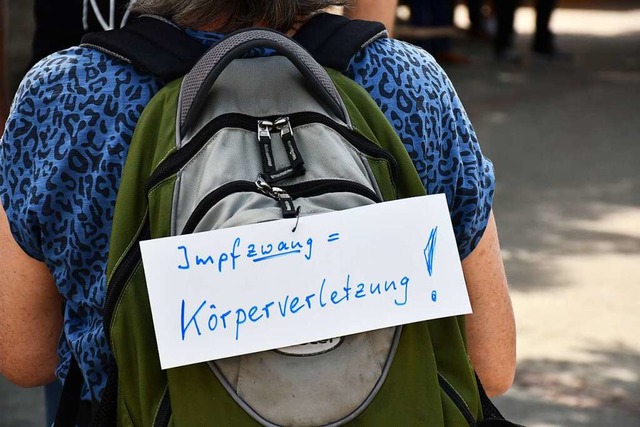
200, 79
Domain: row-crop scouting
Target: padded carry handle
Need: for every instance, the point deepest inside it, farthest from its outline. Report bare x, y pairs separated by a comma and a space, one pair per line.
200, 79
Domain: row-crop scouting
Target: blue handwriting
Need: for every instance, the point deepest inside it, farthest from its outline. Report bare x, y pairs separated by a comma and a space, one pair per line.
289, 305
430, 250
257, 252
220, 259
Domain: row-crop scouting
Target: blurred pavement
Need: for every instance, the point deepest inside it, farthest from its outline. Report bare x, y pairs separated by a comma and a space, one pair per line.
565, 141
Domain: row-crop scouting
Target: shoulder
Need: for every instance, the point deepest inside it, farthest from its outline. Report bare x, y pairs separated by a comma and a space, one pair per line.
72, 97
72, 116
405, 81
76, 73
399, 50
76, 90
397, 65
420, 102
78, 97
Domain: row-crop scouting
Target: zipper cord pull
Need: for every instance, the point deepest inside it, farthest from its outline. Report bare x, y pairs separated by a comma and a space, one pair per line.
286, 134
281, 196
286, 204
266, 150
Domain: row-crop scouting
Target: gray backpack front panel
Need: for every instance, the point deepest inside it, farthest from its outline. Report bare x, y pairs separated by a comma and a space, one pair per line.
321, 383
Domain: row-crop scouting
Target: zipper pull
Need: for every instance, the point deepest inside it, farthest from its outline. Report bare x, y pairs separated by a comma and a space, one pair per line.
266, 151
281, 196
286, 134
286, 204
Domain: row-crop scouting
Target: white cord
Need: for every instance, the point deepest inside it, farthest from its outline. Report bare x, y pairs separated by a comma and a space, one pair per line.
112, 14
125, 18
96, 10
85, 20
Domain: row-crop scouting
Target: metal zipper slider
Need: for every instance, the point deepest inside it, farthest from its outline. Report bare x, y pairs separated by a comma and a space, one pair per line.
286, 134
281, 196
264, 129
266, 151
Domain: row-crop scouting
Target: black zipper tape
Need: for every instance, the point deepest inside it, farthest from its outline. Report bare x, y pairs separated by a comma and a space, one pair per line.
121, 275
305, 189
457, 400
214, 197
164, 411
360, 142
177, 160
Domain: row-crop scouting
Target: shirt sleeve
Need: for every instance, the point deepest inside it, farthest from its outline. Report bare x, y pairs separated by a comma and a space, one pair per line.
419, 100
62, 150
61, 158
21, 174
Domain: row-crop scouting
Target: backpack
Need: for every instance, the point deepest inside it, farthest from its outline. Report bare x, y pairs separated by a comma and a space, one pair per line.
242, 140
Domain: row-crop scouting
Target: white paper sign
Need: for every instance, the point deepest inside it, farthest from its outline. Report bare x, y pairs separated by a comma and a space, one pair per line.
258, 287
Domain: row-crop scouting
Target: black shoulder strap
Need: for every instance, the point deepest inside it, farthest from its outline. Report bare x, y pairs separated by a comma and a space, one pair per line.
333, 39
152, 44
158, 47
69, 403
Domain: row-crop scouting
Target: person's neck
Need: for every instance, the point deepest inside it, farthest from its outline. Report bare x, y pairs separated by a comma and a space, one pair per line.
217, 26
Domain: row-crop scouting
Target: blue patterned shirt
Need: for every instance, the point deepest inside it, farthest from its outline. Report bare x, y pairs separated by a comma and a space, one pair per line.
68, 134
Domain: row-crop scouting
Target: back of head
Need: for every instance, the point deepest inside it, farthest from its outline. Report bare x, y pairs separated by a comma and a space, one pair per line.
231, 15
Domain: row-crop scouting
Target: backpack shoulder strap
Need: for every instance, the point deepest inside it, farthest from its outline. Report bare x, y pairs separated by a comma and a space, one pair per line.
151, 43
333, 39
158, 47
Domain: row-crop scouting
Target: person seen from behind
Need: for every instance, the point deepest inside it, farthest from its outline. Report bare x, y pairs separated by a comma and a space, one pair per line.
66, 142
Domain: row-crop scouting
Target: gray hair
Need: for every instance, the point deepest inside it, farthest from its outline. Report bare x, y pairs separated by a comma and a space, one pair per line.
230, 15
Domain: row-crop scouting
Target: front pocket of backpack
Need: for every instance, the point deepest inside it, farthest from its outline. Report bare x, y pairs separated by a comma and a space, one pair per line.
286, 387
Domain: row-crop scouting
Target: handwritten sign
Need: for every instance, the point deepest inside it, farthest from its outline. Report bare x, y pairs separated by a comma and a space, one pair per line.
258, 287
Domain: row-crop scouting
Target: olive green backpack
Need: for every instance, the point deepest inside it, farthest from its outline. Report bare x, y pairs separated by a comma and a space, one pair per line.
249, 139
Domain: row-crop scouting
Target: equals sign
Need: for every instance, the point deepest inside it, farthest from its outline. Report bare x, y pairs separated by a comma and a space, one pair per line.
333, 237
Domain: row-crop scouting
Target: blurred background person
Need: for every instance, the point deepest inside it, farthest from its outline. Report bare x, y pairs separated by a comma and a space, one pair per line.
431, 26
543, 43
60, 24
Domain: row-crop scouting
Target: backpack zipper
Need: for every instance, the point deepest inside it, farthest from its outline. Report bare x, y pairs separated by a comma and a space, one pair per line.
173, 163
133, 256
295, 191
296, 164
163, 413
358, 141
305, 189
278, 194
121, 274
457, 400
323, 186
286, 135
178, 159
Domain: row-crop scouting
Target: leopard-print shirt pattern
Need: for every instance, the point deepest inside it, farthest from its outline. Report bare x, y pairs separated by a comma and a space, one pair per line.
68, 135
